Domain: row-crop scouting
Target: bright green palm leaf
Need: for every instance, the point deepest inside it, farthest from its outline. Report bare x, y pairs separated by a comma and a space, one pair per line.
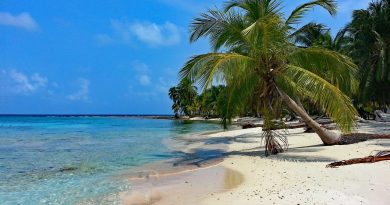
330, 65
241, 81
298, 13
203, 69
324, 95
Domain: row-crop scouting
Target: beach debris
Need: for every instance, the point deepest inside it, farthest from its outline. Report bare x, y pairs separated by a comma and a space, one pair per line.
290, 125
248, 126
148, 175
67, 169
380, 156
380, 116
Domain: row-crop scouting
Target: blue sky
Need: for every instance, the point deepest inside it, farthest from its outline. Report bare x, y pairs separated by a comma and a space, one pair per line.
100, 57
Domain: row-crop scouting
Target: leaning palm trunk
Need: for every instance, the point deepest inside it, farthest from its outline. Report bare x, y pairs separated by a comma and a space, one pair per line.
328, 137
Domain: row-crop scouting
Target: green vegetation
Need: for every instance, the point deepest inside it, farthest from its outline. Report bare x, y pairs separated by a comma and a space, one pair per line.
208, 104
265, 64
185, 98
369, 46
367, 41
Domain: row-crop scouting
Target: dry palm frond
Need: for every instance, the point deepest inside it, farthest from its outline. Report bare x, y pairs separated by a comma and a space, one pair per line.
274, 142
380, 156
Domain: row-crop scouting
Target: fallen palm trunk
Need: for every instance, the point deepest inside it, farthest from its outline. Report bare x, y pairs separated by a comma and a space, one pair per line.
381, 156
360, 137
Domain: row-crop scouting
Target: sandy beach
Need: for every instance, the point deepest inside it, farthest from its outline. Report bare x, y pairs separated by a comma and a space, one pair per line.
299, 176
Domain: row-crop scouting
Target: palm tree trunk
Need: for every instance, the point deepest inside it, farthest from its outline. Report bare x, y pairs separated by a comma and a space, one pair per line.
328, 137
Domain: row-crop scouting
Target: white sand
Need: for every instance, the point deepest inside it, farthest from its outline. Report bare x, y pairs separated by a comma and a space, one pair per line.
299, 176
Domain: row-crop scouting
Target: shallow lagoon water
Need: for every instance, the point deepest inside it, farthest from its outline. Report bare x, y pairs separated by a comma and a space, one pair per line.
73, 160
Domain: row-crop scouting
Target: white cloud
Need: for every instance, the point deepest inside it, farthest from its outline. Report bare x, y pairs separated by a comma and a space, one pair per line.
153, 34
22, 20
142, 73
39, 80
82, 93
20, 82
156, 91
144, 80
156, 35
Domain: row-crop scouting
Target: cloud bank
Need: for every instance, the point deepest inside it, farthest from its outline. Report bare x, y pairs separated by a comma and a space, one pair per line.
22, 20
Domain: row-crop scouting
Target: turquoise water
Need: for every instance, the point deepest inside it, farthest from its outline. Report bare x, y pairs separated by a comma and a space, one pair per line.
72, 160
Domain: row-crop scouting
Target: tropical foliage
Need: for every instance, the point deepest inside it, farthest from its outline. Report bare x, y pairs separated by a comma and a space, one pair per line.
255, 57
211, 101
318, 35
366, 41
184, 98
369, 46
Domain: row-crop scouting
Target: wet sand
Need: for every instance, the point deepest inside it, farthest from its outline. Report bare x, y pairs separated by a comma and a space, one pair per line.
186, 187
186, 179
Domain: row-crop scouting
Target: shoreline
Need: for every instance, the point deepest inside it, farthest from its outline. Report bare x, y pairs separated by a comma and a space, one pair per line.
297, 176
188, 177
186, 187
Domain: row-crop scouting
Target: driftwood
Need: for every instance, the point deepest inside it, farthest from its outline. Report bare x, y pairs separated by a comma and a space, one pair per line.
380, 116
381, 156
287, 126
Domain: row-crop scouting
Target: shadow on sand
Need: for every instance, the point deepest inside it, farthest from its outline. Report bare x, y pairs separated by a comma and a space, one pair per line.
245, 138
202, 156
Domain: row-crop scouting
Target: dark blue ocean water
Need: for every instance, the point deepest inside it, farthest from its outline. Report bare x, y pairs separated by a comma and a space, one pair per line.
73, 160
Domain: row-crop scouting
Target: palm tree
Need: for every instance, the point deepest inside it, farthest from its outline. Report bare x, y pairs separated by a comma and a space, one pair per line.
188, 96
318, 35
174, 95
210, 101
313, 34
370, 48
253, 53
184, 97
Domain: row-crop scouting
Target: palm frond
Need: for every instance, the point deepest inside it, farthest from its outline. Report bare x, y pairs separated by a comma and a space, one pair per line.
255, 9
330, 65
232, 4
241, 86
223, 29
203, 69
298, 13
308, 34
204, 25
324, 95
